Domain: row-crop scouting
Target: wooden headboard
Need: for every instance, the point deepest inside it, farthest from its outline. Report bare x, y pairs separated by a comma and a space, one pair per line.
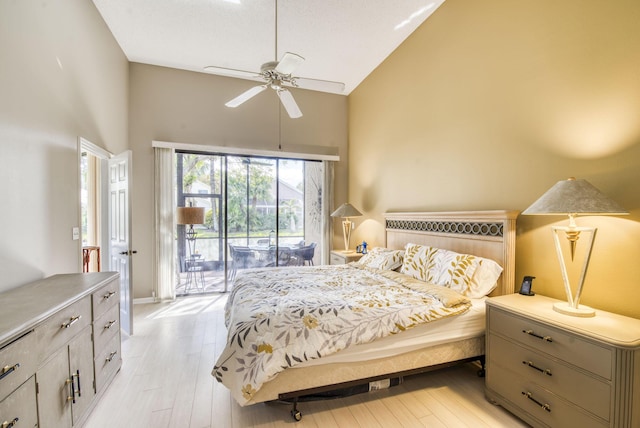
489, 234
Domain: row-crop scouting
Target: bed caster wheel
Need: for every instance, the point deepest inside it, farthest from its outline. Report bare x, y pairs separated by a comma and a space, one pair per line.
481, 373
296, 415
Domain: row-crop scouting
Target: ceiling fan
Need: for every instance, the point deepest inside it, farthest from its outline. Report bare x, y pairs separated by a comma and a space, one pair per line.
276, 75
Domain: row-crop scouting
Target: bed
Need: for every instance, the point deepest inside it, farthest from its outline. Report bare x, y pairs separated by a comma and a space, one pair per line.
457, 337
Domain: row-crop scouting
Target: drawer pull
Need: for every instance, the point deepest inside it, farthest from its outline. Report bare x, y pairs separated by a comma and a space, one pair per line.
111, 355
533, 366
532, 333
71, 321
108, 295
543, 406
7, 370
10, 424
108, 325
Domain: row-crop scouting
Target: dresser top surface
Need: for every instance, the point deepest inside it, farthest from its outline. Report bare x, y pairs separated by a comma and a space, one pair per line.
26, 306
608, 327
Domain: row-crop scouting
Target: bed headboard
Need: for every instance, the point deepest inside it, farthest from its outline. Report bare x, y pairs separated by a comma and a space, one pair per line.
489, 234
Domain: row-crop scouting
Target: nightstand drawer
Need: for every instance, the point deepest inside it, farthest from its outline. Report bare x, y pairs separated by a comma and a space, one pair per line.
553, 341
539, 402
580, 388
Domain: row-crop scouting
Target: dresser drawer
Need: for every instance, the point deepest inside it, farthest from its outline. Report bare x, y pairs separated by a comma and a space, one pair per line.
105, 328
584, 390
528, 396
104, 298
20, 407
337, 260
17, 363
61, 327
587, 355
107, 362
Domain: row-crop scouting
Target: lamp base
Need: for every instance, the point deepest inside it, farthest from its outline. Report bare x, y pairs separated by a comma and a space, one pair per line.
580, 311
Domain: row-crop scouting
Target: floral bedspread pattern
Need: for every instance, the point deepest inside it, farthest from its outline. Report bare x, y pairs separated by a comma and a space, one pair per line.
280, 317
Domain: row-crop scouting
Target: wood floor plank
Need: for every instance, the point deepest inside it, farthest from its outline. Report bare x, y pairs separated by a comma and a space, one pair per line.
166, 380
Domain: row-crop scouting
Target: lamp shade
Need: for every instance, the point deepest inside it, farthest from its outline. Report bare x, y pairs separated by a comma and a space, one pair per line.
190, 215
575, 197
346, 210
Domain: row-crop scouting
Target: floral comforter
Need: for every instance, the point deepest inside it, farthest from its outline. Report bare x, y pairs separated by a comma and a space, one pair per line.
280, 317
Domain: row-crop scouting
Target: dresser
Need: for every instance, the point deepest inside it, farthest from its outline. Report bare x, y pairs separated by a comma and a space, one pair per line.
59, 348
342, 258
554, 370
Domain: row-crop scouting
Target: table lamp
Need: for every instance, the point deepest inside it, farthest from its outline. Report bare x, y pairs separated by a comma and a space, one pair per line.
574, 197
346, 211
190, 216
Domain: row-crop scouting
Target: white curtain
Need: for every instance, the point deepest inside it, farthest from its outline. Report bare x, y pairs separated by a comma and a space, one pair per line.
327, 205
165, 224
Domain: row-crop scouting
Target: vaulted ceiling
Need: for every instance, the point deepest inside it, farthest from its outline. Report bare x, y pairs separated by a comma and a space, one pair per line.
341, 40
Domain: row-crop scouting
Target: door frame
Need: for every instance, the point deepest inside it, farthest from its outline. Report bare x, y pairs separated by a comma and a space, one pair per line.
103, 155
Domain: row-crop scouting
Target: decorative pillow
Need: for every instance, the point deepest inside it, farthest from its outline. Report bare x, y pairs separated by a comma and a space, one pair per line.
472, 276
454, 270
419, 262
382, 258
484, 280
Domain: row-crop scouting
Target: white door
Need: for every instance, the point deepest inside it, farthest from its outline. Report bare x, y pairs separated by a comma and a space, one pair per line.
120, 233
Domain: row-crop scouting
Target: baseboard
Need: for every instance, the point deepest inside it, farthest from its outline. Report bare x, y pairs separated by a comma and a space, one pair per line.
143, 300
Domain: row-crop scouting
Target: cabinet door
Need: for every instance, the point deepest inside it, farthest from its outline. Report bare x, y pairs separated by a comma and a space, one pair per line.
54, 392
81, 370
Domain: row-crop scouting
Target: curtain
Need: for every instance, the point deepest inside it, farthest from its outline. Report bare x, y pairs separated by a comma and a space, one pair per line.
327, 204
165, 251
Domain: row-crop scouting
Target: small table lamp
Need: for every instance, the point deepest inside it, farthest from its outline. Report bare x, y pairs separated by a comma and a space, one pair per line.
574, 197
346, 211
190, 216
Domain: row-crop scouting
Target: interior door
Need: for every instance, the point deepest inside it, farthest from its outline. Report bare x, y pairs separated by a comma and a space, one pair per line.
120, 233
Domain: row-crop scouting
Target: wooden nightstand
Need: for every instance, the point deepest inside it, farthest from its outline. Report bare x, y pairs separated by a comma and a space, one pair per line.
554, 370
342, 258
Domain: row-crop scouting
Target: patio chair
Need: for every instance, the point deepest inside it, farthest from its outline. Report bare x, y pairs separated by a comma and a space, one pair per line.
241, 258
307, 253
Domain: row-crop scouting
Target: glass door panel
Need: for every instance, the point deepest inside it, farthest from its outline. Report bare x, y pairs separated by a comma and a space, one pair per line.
259, 212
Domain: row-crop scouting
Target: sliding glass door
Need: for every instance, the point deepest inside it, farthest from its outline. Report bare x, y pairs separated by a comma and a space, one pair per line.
258, 212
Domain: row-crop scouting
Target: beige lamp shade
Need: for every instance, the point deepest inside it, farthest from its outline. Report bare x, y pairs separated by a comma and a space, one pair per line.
190, 215
346, 210
577, 197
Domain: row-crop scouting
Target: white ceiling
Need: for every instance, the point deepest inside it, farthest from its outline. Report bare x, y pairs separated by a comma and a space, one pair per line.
341, 40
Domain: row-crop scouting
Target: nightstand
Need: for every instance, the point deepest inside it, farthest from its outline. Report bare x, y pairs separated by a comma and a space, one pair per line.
342, 258
554, 370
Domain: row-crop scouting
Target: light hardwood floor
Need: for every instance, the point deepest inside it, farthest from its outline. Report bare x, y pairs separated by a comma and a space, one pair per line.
165, 381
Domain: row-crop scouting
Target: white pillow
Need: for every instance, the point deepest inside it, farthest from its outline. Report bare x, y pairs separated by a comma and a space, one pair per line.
484, 279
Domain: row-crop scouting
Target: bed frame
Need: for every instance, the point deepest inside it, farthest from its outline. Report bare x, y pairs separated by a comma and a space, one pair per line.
489, 234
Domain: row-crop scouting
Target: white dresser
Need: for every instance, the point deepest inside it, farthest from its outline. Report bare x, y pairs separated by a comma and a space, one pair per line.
342, 258
59, 348
554, 370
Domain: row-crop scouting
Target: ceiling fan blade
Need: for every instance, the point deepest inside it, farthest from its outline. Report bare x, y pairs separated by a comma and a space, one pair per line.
245, 96
289, 103
288, 63
320, 85
232, 72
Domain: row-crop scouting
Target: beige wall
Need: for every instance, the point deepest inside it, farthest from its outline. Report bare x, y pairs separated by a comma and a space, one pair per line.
62, 76
187, 107
489, 104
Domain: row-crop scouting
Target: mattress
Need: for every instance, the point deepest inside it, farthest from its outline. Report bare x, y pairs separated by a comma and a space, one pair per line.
468, 325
